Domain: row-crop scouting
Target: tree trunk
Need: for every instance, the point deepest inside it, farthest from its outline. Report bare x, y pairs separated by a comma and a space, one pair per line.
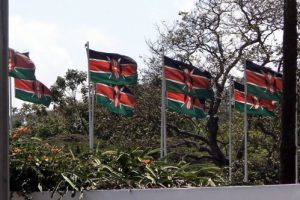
217, 154
287, 145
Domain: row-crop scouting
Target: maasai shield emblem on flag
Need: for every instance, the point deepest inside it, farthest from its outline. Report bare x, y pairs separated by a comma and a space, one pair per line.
110, 68
117, 99
255, 105
187, 79
20, 65
33, 91
186, 104
263, 82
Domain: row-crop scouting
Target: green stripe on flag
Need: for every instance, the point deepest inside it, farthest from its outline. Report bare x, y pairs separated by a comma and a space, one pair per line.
181, 108
121, 109
262, 111
263, 92
33, 98
26, 74
108, 78
181, 88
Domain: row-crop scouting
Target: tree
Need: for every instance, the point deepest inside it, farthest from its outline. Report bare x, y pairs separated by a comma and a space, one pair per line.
287, 145
219, 35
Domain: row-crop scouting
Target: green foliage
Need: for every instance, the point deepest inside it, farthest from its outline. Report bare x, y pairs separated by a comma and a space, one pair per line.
36, 165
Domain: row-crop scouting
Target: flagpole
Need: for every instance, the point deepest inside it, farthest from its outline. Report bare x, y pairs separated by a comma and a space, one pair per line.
230, 128
10, 104
93, 87
296, 137
245, 128
163, 111
90, 102
4, 102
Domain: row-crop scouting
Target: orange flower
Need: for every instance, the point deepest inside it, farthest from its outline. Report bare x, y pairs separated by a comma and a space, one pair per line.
46, 158
56, 150
29, 157
15, 136
17, 150
19, 131
147, 161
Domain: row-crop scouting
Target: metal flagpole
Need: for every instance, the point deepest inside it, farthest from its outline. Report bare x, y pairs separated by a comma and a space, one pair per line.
10, 105
93, 88
90, 101
4, 102
230, 129
245, 128
296, 137
165, 117
163, 111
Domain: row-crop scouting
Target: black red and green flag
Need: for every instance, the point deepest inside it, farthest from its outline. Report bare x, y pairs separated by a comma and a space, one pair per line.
256, 106
183, 103
21, 66
263, 82
32, 91
118, 99
187, 79
111, 68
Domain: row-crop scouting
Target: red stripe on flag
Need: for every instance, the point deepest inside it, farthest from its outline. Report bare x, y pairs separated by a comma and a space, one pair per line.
108, 91
178, 76
260, 80
20, 60
240, 96
104, 66
105, 90
127, 99
174, 74
129, 70
201, 82
279, 83
182, 97
46, 90
25, 85
255, 78
97, 65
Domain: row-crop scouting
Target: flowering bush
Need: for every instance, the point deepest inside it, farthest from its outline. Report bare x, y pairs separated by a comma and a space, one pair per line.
36, 165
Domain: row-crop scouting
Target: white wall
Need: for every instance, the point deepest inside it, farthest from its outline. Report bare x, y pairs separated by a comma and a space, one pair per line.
274, 192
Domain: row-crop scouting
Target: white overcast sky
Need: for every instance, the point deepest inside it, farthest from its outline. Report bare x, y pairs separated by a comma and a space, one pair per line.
55, 31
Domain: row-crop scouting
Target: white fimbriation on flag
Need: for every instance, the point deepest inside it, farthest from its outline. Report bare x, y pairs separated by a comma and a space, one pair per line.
245, 129
90, 101
163, 144
230, 128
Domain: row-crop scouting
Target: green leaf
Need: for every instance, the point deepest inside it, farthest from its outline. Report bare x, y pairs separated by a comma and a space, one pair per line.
70, 182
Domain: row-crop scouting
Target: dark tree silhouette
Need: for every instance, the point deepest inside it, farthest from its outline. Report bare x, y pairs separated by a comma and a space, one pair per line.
287, 146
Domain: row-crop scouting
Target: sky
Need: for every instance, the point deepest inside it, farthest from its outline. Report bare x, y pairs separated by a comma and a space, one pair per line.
55, 31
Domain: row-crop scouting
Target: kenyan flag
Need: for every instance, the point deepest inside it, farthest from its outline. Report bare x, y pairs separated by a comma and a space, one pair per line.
255, 106
32, 91
182, 103
187, 79
21, 66
117, 99
263, 82
113, 69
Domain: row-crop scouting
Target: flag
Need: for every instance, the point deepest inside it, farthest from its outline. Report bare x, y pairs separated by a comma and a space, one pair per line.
113, 69
20, 65
187, 79
33, 91
117, 99
263, 82
186, 104
255, 105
